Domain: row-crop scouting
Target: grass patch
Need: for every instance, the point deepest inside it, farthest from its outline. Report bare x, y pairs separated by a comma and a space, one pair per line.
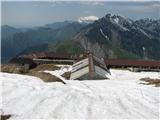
150, 81
123, 54
68, 46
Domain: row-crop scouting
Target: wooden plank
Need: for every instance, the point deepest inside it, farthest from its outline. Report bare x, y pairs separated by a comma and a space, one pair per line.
79, 73
101, 72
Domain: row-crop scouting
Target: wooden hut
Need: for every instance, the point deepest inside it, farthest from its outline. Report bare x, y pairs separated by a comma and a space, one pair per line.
90, 68
26, 62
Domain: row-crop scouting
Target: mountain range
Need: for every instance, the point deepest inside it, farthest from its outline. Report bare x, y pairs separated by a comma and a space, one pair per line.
17, 41
112, 36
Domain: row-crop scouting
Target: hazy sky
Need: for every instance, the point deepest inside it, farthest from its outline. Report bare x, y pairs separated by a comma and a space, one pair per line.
36, 13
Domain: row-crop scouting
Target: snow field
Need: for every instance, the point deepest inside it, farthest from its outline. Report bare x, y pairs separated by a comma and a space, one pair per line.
121, 97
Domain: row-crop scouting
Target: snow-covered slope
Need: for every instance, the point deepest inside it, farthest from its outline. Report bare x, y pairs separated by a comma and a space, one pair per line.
87, 19
120, 97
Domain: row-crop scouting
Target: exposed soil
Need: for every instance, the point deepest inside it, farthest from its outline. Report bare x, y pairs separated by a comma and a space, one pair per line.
66, 75
37, 72
150, 81
44, 67
12, 68
46, 77
5, 117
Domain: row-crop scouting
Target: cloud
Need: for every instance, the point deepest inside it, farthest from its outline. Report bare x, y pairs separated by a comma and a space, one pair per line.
81, 0
55, 2
97, 3
86, 11
156, 5
36, 5
93, 3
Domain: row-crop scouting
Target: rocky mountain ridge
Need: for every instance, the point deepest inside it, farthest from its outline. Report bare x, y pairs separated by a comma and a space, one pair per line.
114, 33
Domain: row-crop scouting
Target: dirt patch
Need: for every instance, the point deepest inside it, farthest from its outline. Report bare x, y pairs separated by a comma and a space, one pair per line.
13, 68
150, 81
19, 69
46, 77
5, 117
44, 67
66, 75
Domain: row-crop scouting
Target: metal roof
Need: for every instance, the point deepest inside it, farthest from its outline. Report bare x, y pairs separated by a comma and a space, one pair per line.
51, 55
133, 63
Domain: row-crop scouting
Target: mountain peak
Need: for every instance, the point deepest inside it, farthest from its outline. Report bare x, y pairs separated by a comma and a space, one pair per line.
118, 20
7, 26
87, 19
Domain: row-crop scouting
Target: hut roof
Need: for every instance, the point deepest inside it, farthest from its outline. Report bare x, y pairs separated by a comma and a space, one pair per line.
21, 60
89, 68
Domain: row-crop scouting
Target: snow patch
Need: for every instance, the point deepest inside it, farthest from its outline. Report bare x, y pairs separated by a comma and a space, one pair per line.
142, 31
87, 19
104, 34
123, 28
60, 72
116, 20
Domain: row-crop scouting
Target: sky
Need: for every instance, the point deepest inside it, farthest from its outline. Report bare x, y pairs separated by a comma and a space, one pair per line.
39, 13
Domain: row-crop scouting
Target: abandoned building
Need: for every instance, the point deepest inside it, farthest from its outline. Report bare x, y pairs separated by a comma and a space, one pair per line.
27, 63
90, 68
